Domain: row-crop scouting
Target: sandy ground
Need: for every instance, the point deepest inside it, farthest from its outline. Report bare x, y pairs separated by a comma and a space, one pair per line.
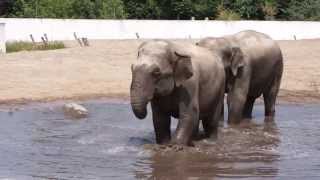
103, 70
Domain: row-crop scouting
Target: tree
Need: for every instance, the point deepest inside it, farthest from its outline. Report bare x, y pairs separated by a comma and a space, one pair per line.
205, 8
182, 9
83, 9
22, 8
248, 9
143, 9
163, 9
270, 9
282, 9
4, 7
109, 9
303, 10
53, 8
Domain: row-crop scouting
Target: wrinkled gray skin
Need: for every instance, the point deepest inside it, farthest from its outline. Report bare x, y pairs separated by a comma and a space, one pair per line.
180, 80
253, 65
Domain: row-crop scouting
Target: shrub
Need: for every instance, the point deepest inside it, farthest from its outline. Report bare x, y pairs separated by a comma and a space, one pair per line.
227, 14
29, 46
270, 10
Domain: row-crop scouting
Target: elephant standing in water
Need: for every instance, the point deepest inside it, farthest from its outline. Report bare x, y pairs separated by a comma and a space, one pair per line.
180, 80
253, 64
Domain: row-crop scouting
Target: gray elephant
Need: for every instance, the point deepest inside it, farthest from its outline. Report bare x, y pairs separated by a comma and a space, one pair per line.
253, 65
180, 80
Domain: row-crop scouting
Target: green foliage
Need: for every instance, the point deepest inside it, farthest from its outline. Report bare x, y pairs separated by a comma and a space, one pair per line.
29, 46
163, 9
182, 9
282, 9
109, 9
206, 8
248, 9
143, 9
4, 7
87, 9
270, 9
304, 10
227, 14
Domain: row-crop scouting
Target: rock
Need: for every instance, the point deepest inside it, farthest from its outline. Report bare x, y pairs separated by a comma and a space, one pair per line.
75, 110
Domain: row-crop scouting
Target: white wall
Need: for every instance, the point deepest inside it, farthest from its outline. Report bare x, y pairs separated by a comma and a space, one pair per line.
2, 38
59, 29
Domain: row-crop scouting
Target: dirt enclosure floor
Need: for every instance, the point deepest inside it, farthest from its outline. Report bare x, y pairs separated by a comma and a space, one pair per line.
103, 70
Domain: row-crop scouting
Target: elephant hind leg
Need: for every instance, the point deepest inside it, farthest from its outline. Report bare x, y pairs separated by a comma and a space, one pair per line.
195, 132
270, 97
247, 111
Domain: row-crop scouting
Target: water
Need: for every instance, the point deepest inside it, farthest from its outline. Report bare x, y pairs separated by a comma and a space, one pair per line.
38, 142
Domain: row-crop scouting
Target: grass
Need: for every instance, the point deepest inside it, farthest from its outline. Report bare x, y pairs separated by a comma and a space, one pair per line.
16, 46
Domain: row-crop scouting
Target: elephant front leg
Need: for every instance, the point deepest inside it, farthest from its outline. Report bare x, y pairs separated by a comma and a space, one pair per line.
188, 122
161, 123
237, 97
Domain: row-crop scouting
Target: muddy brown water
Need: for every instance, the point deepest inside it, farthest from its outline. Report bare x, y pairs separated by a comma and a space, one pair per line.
38, 142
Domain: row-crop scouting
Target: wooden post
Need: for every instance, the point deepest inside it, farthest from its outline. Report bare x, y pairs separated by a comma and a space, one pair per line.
32, 39
75, 35
77, 39
46, 37
44, 41
85, 41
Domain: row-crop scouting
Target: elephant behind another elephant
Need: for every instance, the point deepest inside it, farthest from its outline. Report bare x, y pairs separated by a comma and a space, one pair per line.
254, 65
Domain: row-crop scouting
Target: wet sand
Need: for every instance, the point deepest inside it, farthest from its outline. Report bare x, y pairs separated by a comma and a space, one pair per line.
103, 70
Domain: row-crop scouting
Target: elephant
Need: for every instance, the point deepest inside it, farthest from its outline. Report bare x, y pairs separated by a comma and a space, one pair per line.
254, 65
180, 80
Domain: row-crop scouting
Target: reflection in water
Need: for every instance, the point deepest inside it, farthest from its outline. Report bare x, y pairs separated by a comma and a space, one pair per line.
38, 142
245, 151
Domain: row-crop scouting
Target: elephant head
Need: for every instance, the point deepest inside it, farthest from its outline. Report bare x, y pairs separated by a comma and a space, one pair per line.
159, 68
232, 55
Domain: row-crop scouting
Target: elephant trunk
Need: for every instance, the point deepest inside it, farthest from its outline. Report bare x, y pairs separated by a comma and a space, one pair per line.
140, 95
138, 105
141, 91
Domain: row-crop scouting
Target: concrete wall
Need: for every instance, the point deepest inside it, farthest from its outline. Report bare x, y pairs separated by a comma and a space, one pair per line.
20, 29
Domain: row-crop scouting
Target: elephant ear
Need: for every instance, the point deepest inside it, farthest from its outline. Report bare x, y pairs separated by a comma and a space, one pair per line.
237, 60
182, 68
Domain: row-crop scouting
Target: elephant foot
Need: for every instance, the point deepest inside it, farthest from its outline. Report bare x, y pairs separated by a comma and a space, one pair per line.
162, 140
270, 113
176, 147
234, 121
209, 141
247, 116
269, 119
181, 142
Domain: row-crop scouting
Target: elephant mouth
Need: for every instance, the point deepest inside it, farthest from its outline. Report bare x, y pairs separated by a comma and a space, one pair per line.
139, 108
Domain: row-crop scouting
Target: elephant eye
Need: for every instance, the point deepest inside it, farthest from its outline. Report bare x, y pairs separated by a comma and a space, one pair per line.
156, 73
